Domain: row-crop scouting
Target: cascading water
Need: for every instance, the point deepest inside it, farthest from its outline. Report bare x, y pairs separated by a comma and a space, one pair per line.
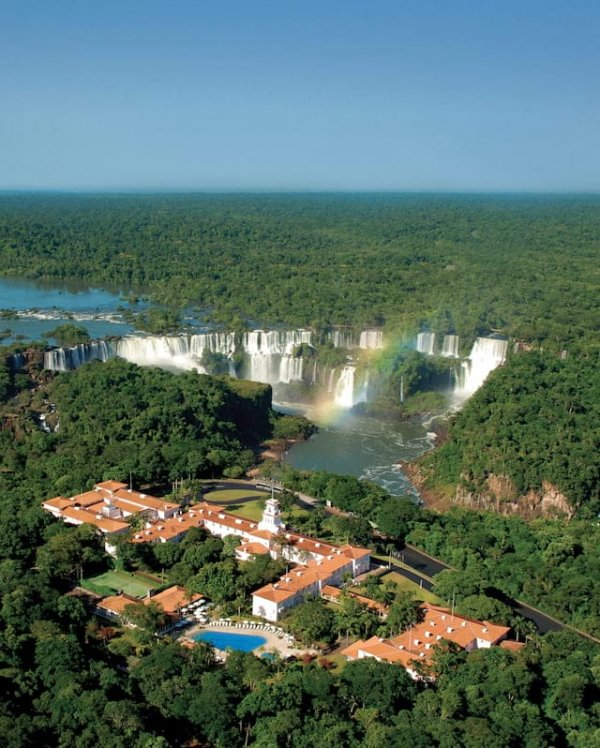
16, 361
66, 359
343, 394
268, 356
371, 339
426, 343
214, 342
171, 352
367, 340
450, 346
291, 369
486, 355
342, 339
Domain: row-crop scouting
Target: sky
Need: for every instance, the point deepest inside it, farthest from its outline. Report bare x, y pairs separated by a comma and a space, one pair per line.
300, 95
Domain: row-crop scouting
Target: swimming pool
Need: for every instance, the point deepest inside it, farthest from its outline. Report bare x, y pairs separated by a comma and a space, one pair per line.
225, 640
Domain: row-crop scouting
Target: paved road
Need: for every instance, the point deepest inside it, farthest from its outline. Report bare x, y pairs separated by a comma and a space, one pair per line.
421, 561
431, 566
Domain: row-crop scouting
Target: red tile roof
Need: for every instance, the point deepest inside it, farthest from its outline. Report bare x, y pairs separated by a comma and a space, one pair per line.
417, 643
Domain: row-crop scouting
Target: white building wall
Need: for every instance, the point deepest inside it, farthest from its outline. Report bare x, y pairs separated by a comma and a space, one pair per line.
264, 608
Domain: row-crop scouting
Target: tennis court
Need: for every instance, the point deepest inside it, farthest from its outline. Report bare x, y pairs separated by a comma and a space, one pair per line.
114, 581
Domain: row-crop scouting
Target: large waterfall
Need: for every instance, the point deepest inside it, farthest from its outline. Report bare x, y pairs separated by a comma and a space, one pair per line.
486, 355
371, 339
272, 357
268, 356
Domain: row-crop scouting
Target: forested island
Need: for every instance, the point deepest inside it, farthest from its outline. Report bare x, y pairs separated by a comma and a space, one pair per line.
526, 443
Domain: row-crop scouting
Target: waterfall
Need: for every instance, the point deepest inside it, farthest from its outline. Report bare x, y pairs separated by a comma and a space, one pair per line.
367, 340
290, 369
486, 355
426, 343
270, 356
267, 356
342, 339
16, 361
66, 359
343, 394
371, 339
169, 352
450, 346
363, 393
215, 342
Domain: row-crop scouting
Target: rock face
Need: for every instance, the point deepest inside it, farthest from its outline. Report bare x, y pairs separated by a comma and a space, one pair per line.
500, 495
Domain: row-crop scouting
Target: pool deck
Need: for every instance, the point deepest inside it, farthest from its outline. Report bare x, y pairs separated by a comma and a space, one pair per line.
274, 641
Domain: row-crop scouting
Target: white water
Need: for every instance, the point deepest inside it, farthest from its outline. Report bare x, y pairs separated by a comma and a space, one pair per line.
426, 343
486, 355
367, 340
268, 356
343, 394
65, 359
371, 339
450, 346
342, 339
291, 369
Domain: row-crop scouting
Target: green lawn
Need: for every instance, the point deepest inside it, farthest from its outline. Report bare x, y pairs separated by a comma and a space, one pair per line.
250, 510
232, 494
254, 509
406, 585
114, 581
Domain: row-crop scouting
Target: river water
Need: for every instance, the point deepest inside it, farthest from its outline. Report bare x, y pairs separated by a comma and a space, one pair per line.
361, 446
41, 307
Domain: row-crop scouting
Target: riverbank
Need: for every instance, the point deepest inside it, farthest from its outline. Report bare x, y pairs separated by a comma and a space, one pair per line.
435, 500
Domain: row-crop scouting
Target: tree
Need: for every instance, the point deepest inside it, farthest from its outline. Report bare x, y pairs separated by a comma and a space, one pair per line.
356, 530
150, 617
354, 618
395, 516
485, 608
404, 612
70, 550
367, 683
312, 622
218, 581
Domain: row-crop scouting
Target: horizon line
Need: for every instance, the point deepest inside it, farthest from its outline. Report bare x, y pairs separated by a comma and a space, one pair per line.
291, 191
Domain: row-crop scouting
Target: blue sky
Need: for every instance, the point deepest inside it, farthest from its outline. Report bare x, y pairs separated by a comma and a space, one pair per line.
335, 94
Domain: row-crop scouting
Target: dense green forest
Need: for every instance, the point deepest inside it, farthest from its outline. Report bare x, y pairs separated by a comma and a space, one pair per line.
546, 563
536, 420
117, 420
466, 264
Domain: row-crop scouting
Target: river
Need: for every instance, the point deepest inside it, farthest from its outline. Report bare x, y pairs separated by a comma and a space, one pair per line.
358, 445
40, 307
